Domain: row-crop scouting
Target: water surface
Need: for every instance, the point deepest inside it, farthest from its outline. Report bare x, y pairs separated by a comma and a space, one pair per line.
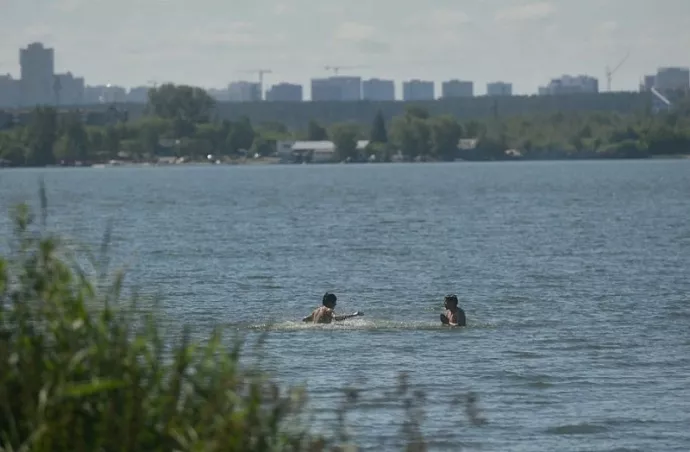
573, 275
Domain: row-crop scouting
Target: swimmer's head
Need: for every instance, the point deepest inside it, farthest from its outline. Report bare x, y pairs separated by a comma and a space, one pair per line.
329, 300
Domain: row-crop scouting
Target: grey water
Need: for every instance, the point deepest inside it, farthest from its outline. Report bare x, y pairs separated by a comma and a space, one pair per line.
573, 275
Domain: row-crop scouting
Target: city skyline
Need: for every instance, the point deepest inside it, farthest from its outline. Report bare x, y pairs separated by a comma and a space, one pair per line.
520, 42
40, 84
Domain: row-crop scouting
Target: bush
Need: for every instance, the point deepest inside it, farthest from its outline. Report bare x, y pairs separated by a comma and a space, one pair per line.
82, 371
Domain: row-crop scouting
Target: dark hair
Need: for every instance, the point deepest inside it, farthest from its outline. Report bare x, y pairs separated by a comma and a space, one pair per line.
329, 298
451, 297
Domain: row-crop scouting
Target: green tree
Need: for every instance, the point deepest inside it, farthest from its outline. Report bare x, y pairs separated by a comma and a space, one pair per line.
315, 132
445, 135
73, 143
378, 129
345, 141
241, 135
181, 101
41, 136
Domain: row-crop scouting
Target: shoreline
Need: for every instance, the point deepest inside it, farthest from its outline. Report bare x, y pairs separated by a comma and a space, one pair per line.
275, 161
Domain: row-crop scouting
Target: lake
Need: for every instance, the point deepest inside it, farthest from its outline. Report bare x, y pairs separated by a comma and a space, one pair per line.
573, 275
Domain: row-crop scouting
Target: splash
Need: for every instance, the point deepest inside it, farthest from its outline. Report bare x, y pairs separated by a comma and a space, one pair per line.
361, 324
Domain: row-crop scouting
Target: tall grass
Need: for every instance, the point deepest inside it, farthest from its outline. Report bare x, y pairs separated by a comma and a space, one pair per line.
81, 369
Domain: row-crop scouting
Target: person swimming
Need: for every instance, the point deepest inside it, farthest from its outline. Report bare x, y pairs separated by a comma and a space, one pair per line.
454, 315
325, 314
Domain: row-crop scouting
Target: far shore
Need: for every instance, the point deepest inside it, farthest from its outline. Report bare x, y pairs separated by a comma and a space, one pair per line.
261, 161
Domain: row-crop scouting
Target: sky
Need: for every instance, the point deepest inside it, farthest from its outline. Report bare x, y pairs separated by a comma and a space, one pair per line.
210, 43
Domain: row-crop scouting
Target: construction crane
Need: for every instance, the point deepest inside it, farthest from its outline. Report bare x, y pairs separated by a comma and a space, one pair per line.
261, 73
610, 72
337, 69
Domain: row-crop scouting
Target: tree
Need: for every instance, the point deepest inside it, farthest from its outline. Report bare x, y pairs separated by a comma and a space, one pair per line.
345, 141
42, 134
181, 102
416, 111
378, 130
241, 135
315, 132
445, 135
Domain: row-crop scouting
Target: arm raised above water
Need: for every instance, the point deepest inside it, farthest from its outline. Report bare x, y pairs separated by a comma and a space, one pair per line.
347, 316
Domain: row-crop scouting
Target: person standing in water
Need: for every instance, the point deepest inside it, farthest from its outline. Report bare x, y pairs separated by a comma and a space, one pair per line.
454, 315
325, 314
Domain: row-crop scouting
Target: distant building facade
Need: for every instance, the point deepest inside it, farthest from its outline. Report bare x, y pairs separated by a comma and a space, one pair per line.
379, 90
418, 90
337, 88
104, 94
37, 66
285, 92
457, 88
672, 79
138, 95
499, 89
244, 92
568, 84
648, 83
69, 90
10, 92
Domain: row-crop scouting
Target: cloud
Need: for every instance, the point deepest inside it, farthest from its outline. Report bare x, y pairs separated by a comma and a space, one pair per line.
447, 18
354, 31
608, 27
362, 37
236, 33
281, 8
374, 47
527, 12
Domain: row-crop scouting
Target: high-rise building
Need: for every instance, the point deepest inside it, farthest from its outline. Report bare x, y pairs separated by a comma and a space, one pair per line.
338, 88
138, 94
457, 88
672, 79
10, 89
499, 89
244, 92
415, 90
284, 92
377, 89
37, 65
69, 89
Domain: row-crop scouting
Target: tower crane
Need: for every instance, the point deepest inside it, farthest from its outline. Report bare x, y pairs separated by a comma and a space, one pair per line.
610, 72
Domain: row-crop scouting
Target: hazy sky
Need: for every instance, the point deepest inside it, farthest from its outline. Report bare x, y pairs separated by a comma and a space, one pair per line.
210, 42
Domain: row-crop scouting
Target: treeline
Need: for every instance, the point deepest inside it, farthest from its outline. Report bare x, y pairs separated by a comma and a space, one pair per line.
296, 115
181, 121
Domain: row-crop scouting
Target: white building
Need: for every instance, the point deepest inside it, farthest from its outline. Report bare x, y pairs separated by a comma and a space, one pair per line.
499, 89
244, 92
338, 88
457, 88
311, 151
377, 89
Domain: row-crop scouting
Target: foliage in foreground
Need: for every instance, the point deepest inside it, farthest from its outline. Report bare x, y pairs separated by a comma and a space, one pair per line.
81, 371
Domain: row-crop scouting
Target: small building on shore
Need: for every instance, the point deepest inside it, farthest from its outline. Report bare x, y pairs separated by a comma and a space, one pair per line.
310, 151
